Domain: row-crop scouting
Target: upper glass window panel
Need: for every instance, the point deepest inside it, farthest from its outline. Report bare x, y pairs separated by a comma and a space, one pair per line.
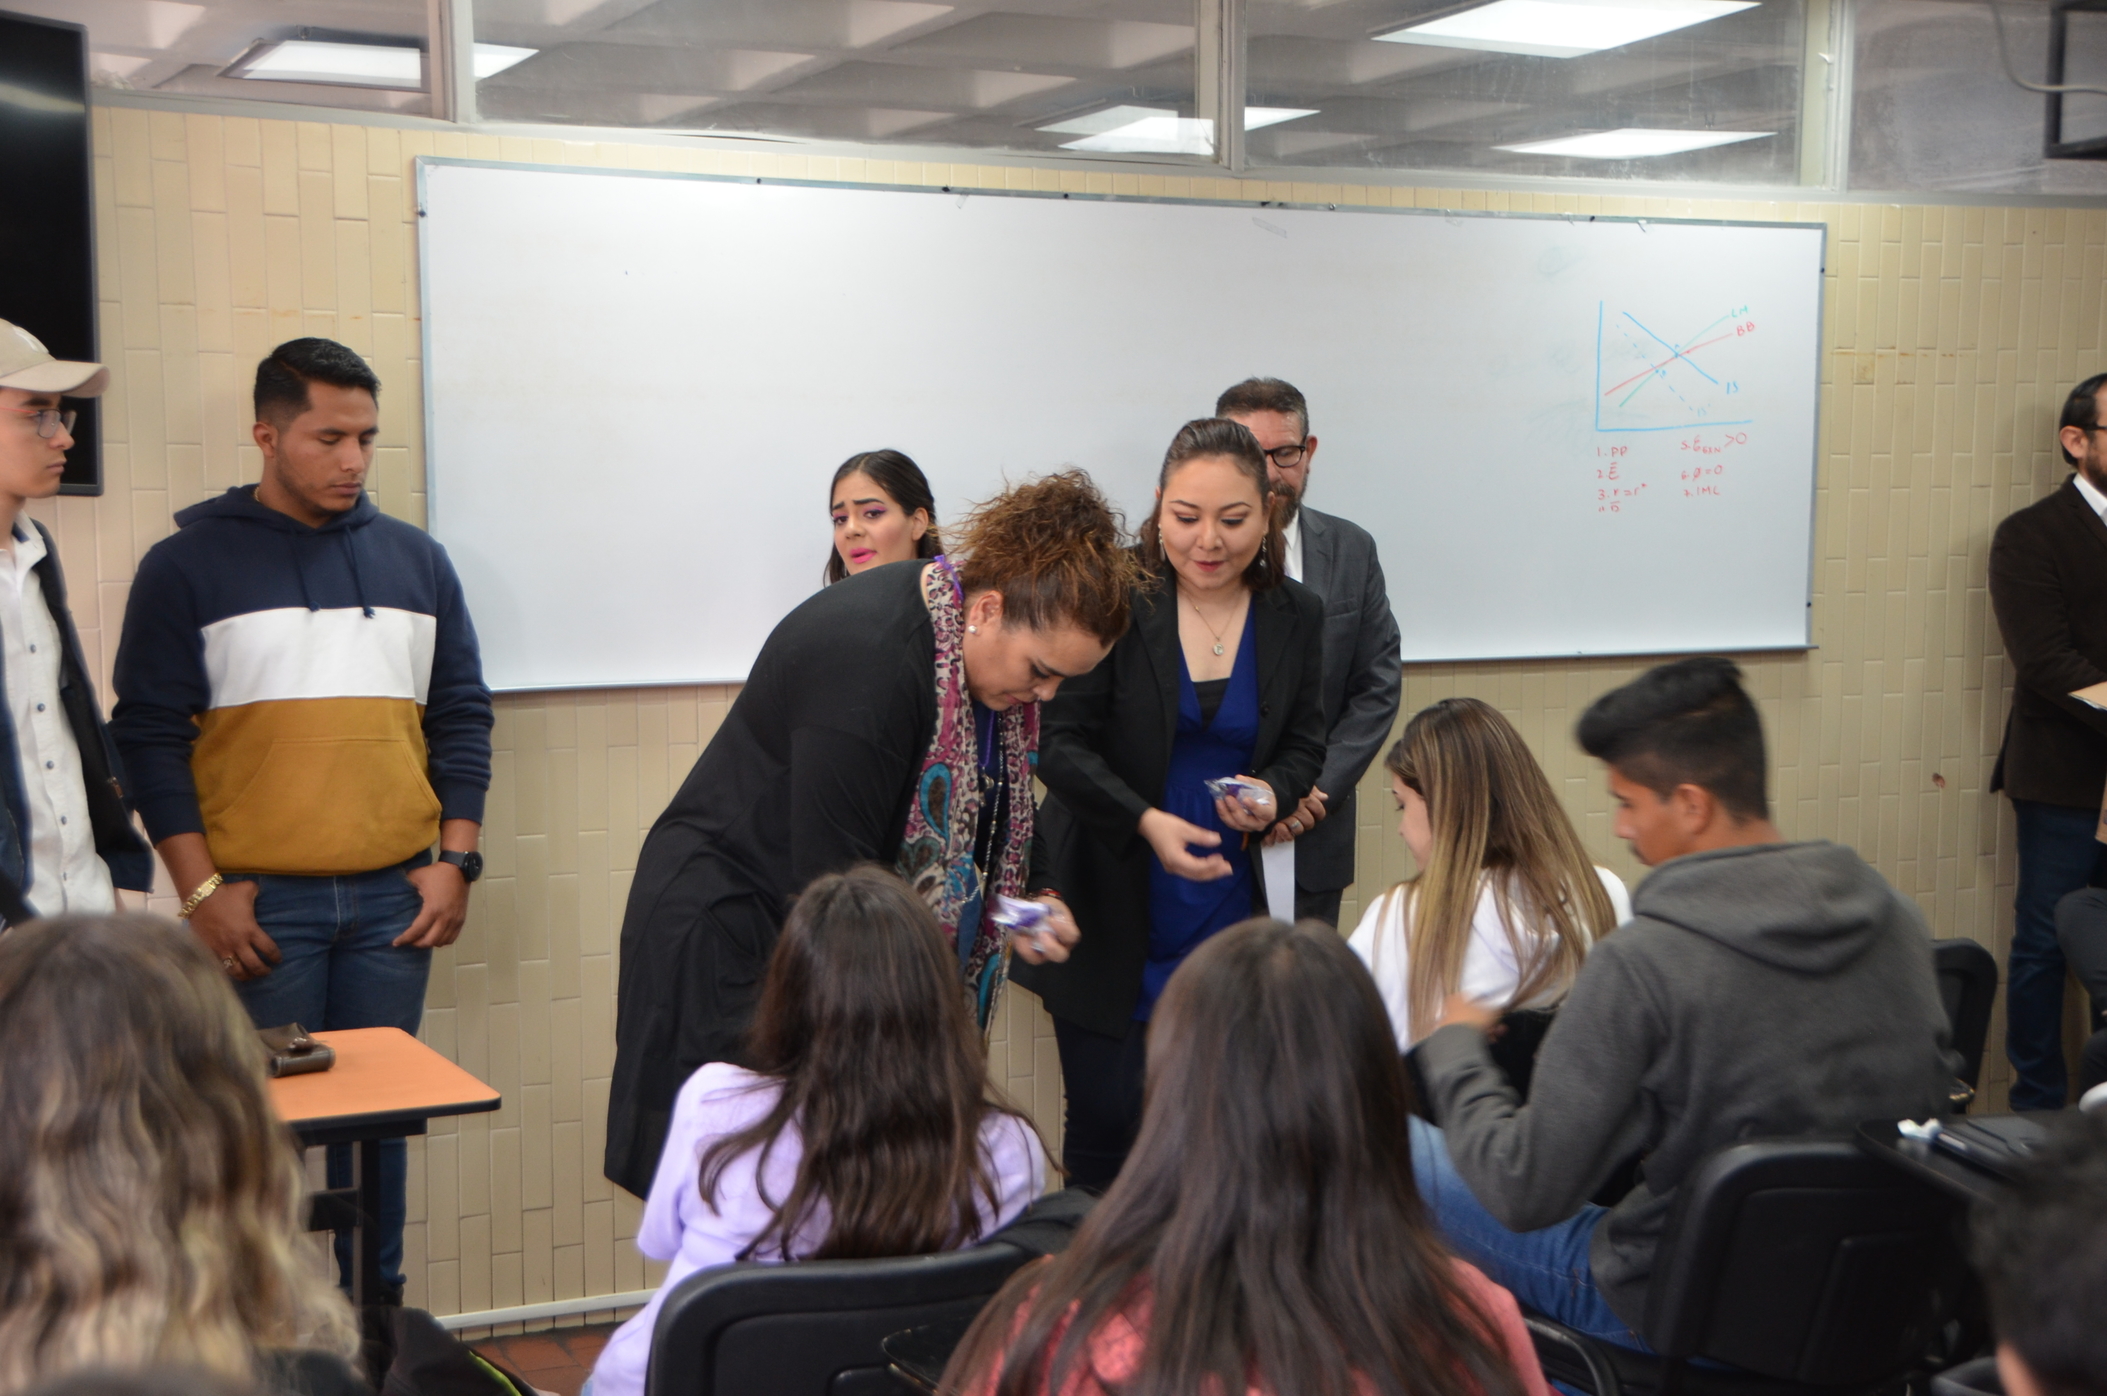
1114, 76
1664, 90
365, 54
1932, 108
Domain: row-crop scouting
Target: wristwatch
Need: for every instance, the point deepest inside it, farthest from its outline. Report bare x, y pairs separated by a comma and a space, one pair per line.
470, 864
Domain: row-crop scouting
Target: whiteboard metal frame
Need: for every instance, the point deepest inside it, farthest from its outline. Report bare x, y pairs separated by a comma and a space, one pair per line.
425, 163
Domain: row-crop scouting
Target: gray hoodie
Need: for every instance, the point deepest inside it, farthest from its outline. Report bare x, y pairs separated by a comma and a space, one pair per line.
1775, 989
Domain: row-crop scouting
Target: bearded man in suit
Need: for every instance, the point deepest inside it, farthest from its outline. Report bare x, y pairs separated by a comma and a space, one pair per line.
1336, 559
2048, 584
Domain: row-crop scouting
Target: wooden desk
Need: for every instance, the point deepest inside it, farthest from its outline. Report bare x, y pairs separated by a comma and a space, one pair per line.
385, 1085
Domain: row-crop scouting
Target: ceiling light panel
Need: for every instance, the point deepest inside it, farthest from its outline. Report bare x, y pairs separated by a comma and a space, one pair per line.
492, 59
396, 66
1563, 28
350, 65
1158, 130
1633, 143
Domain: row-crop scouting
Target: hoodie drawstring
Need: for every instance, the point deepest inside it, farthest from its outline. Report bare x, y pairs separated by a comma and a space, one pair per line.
358, 582
292, 546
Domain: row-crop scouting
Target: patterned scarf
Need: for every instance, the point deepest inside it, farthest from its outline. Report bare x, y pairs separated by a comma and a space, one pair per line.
936, 853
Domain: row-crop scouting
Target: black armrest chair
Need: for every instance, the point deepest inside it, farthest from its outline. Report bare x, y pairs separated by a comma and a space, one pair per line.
1968, 988
1804, 1265
815, 1328
1513, 1050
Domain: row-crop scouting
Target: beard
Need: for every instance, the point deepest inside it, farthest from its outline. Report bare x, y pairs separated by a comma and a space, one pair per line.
1288, 506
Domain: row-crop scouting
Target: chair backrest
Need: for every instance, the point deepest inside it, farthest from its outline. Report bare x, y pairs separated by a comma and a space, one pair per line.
1805, 1260
815, 1328
1968, 988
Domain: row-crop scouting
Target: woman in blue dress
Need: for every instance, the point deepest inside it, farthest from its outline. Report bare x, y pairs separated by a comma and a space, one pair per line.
1218, 676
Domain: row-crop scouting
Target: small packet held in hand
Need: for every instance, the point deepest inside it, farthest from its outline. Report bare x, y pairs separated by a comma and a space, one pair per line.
1024, 918
1250, 792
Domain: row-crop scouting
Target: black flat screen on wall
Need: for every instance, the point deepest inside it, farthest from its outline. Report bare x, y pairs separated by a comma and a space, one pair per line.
47, 229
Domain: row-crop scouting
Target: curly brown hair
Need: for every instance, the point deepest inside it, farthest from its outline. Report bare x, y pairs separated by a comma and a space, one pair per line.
1056, 549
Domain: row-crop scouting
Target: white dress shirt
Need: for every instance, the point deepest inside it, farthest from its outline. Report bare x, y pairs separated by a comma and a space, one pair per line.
1491, 971
2093, 497
65, 872
1277, 862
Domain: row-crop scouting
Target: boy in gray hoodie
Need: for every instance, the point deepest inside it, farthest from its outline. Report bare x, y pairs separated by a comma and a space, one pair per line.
1761, 988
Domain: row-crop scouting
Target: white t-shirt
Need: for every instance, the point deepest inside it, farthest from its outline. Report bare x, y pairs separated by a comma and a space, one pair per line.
1490, 972
678, 1226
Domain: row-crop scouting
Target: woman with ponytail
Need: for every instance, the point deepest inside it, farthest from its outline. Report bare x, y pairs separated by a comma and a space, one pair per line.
883, 512
893, 718
1220, 677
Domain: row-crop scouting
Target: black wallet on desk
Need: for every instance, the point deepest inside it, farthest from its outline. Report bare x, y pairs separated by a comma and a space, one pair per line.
1997, 1144
292, 1052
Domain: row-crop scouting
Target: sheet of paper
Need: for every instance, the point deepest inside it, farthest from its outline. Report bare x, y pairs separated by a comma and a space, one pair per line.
1278, 863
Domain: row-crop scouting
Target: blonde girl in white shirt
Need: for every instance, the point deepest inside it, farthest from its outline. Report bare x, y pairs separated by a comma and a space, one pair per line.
1506, 902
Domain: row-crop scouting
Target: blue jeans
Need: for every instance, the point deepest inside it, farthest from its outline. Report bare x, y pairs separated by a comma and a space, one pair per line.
2057, 855
1547, 1270
340, 969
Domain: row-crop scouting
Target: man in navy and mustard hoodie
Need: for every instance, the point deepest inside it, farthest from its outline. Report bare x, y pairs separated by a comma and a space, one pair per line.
301, 709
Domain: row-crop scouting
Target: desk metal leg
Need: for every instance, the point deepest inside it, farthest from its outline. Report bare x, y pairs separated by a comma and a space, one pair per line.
366, 1284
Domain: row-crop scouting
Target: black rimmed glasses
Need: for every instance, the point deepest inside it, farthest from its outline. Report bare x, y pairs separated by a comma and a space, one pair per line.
1286, 457
49, 419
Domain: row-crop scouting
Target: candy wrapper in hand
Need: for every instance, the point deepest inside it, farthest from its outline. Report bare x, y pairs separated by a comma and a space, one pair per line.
1024, 918
1253, 795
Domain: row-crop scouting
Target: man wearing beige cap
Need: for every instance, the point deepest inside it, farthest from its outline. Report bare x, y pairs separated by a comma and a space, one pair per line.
66, 836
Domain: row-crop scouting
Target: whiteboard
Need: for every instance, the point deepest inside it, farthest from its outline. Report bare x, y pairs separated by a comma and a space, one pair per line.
1569, 436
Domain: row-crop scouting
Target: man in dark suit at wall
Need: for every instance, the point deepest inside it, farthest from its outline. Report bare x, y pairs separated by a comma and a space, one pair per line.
2048, 582
1336, 559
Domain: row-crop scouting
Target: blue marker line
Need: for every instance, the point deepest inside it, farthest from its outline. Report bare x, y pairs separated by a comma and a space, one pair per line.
1675, 349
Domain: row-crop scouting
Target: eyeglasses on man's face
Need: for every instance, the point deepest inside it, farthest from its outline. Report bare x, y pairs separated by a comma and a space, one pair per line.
49, 420
1286, 457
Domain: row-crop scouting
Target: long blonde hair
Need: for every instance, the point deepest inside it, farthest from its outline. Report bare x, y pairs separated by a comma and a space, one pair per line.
1494, 818
149, 1196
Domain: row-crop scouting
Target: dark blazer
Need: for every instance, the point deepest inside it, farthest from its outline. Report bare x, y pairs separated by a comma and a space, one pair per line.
811, 772
117, 842
2048, 584
1104, 753
1362, 680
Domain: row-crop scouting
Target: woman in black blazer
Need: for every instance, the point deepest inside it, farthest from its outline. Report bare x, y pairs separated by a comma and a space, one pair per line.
1219, 675
888, 719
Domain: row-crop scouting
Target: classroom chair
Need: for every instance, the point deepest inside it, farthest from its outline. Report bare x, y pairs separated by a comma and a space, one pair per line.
815, 1328
1968, 988
1790, 1267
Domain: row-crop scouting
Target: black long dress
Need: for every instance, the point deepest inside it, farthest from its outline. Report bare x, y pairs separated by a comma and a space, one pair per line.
811, 772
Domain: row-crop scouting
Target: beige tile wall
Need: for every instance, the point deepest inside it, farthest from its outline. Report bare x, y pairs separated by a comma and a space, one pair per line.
1952, 336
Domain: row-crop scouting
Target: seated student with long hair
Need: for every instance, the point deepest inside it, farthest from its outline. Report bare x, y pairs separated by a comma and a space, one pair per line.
1506, 901
1761, 988
151, 1202
862, 1034
1265, 1235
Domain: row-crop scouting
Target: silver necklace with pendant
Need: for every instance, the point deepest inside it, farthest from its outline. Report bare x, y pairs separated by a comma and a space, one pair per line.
1218, 647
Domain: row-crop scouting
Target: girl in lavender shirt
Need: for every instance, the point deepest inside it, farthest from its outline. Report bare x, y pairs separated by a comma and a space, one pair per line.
861, 1031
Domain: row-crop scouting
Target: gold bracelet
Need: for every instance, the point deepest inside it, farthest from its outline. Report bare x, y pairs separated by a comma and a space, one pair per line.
197, 899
